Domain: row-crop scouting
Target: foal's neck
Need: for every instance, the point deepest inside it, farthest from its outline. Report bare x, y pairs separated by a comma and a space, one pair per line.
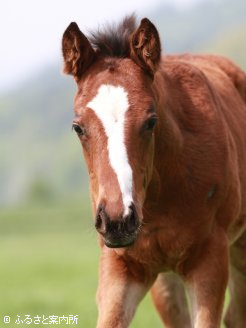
168, 141
168, 135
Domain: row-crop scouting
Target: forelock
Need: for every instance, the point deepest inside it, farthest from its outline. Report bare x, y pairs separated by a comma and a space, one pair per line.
113, 40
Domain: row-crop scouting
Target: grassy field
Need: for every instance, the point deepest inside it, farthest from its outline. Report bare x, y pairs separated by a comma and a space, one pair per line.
49, 259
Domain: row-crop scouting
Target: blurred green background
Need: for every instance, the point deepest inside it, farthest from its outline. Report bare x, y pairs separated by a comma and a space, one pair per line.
48, 246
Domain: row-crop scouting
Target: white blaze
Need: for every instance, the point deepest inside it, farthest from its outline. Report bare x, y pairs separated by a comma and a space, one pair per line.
110, 105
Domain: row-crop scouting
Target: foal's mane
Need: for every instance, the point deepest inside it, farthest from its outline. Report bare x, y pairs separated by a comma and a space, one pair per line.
113, 40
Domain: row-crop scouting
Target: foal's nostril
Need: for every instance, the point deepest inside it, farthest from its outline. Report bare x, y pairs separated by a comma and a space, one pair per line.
101, 220
98, 221
132, 221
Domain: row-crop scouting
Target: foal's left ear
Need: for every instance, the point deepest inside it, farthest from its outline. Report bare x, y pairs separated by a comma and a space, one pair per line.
77, 51
145, 46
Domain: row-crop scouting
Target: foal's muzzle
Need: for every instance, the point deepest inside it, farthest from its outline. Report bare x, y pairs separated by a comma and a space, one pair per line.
119, 232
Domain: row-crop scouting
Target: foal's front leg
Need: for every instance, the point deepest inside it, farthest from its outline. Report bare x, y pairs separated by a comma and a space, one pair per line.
119, 292
170, 301
207, 280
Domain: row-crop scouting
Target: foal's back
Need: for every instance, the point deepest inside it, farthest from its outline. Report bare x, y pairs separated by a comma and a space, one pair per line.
215, 62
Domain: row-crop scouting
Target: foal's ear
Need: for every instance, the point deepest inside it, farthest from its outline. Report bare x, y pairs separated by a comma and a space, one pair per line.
77, 51
145, 46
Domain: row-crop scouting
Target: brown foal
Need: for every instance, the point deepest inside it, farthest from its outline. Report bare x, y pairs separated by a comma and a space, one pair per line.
164, 139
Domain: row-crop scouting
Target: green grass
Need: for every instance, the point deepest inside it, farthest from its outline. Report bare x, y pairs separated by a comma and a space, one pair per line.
49, 260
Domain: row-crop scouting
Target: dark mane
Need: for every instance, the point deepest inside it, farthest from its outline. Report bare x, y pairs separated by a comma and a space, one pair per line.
113, 40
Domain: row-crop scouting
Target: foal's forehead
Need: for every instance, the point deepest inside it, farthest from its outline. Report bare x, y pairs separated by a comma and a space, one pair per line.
113, 99
107, 98
112, 82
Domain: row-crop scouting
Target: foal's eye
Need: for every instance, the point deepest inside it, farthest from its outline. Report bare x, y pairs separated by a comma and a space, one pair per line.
78, 129
150, 123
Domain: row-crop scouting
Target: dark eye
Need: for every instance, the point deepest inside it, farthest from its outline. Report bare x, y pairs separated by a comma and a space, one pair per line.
150, 123
78, 129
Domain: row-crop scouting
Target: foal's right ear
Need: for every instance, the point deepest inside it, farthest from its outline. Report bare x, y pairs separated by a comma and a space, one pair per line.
77, 51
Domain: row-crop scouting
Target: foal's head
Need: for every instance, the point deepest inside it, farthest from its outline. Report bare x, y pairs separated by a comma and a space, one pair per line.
114, 119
